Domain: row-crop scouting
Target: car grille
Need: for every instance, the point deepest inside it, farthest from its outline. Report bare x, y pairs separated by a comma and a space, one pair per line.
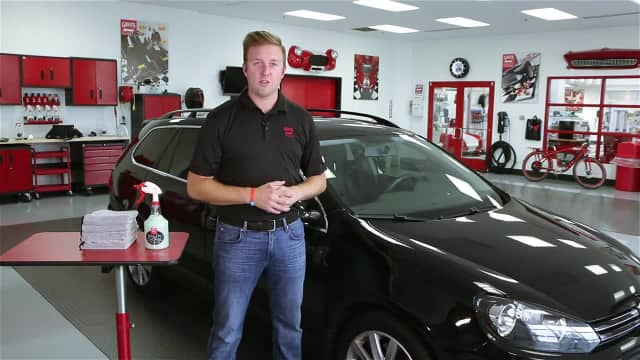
617, 326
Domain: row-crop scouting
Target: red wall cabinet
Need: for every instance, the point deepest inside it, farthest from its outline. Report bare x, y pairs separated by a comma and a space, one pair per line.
94, 82
15, 169
151, 106
41, 71
10, 80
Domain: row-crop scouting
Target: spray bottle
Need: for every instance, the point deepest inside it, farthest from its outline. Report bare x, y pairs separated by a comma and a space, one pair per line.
156, 227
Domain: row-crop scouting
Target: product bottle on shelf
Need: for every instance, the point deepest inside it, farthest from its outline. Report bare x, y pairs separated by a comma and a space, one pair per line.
55, 108
46, 107
38, 105
30, 108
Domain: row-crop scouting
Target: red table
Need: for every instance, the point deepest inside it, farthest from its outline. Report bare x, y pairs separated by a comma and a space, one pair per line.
61, 248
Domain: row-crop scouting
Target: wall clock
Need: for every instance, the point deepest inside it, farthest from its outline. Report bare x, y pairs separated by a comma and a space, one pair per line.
459, 67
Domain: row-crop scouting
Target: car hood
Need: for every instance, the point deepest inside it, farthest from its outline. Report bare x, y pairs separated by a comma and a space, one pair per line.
532, 256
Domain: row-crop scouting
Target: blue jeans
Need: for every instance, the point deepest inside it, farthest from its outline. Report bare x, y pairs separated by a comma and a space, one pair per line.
240, 256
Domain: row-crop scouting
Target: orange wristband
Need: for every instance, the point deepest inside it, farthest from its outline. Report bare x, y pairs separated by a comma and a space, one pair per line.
252, 197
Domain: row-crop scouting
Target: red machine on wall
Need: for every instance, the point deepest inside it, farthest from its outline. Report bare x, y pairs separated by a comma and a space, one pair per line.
309, 60
603, 59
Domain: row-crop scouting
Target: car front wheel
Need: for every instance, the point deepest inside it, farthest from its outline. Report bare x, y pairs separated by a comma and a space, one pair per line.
376, 335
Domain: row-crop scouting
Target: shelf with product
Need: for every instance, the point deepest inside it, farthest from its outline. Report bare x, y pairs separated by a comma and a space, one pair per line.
58, 165
605, 110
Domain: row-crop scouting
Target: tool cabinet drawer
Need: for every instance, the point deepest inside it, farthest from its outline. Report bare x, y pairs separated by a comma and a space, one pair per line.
99, 177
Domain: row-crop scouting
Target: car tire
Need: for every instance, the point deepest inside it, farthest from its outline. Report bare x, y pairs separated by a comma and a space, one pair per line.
384, 332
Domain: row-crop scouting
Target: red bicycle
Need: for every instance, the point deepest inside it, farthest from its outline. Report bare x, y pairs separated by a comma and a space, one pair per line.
588, 171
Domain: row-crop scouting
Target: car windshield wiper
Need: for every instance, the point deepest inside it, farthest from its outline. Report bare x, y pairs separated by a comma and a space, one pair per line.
394, 217
470, 211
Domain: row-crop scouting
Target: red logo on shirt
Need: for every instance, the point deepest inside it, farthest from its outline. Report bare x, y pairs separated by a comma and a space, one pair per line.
288, 131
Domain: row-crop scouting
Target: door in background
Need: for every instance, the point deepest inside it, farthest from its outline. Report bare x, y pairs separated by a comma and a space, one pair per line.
460, 119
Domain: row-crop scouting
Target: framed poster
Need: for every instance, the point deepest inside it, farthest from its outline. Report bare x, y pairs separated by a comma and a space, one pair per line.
365, 78
519, 76
574, 96
145, 54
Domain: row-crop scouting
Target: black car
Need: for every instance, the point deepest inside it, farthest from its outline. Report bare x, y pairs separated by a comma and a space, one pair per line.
412, 255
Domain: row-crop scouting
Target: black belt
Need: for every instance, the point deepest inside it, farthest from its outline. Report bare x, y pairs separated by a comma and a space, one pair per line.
262, 225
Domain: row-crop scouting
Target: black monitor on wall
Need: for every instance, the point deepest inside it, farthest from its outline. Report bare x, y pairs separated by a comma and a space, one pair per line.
232, 80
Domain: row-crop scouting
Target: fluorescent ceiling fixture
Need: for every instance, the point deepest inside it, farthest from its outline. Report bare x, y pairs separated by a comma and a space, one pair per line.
530, 241
596, 269
308, 14
549, 14
462, 21
387, 5
393, 29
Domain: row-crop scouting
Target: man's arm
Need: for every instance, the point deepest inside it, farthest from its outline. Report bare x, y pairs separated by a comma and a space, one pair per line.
267, 197
307, 189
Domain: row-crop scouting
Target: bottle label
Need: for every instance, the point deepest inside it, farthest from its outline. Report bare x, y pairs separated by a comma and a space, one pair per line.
154, 237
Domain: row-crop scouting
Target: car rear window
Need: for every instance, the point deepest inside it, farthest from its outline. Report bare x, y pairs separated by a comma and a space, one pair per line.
156, 148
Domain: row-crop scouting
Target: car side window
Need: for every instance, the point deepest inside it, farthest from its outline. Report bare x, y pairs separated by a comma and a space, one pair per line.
156, 149
184, 152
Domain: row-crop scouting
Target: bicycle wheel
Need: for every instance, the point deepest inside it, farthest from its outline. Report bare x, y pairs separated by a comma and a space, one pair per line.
589, 173
536, 165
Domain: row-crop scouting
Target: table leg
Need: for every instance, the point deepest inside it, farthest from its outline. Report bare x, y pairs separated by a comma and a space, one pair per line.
122, 318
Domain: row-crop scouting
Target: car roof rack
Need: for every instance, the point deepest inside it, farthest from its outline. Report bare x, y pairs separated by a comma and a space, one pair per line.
377, 119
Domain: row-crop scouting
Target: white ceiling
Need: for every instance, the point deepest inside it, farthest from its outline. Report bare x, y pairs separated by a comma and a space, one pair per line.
504, 16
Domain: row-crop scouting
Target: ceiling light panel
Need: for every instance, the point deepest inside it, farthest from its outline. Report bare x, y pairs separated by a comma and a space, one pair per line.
550, 14
462, 21
387, 5
314, 15
394, 29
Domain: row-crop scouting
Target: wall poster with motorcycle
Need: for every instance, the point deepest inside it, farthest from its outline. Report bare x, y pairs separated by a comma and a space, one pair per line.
520, 76
365, 77
145, 54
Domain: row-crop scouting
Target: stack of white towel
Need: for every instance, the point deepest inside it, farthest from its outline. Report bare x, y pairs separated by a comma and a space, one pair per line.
107, 229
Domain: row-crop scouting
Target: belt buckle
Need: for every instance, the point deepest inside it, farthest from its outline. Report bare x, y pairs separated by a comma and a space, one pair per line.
274, 225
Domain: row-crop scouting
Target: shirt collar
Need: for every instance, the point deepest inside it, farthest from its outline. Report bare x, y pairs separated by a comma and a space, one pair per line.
280, 106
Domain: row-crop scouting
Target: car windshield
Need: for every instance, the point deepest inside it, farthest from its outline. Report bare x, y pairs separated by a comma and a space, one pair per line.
403, 175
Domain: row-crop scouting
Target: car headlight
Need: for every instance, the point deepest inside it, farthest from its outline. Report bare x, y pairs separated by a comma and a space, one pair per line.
533, 327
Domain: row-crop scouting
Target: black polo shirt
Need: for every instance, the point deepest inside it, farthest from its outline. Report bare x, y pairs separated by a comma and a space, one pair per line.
242, 146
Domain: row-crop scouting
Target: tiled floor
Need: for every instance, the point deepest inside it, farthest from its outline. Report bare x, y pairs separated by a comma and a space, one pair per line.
31, 328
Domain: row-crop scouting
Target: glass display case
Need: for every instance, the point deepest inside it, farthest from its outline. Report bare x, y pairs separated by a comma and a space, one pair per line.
605, 110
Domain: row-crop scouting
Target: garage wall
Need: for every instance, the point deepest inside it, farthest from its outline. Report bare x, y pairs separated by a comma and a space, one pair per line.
432, 58
199, 45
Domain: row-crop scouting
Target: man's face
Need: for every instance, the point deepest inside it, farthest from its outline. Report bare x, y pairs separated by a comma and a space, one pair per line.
264, 70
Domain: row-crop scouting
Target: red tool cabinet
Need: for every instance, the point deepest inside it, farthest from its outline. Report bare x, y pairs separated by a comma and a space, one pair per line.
151, 106
98, 161
15, 170
61, 166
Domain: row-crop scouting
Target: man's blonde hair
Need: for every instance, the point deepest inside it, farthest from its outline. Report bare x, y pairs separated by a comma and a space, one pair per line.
257, 38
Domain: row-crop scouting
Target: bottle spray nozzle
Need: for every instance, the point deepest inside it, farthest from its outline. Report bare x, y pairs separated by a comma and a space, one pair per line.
149, 188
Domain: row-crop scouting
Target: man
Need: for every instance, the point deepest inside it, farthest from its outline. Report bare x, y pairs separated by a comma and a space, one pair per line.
248, 161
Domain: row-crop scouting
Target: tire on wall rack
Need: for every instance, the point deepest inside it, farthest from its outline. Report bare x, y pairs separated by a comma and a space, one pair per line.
502, 157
